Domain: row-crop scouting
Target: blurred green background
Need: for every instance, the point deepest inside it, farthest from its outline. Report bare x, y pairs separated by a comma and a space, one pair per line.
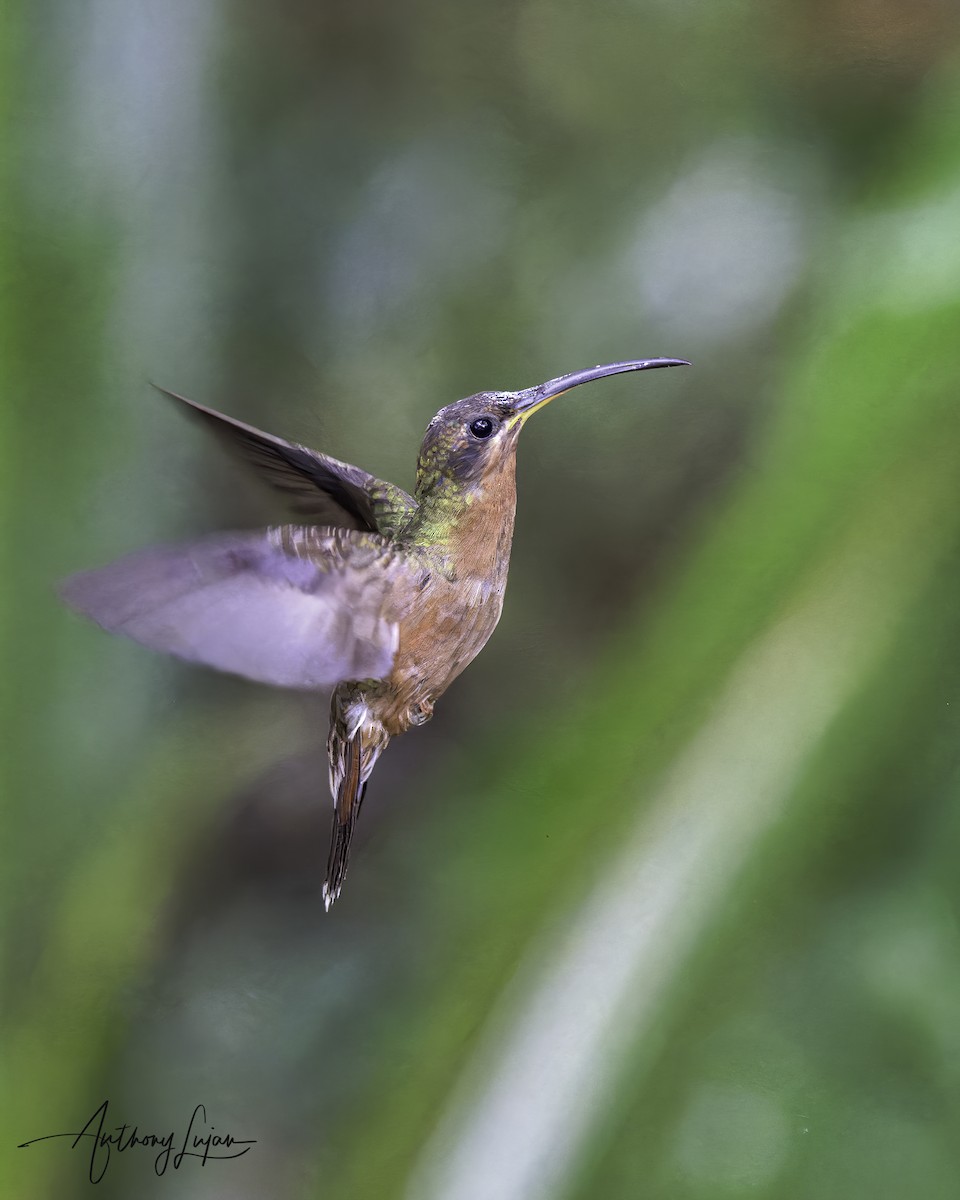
663, 903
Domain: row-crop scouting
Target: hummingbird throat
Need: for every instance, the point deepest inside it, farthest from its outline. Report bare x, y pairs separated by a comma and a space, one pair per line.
470, 522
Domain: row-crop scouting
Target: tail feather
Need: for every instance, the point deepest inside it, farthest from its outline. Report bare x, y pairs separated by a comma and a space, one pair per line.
356, 741
347, 803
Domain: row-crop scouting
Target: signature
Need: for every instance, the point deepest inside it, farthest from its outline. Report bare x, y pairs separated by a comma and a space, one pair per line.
198, 1141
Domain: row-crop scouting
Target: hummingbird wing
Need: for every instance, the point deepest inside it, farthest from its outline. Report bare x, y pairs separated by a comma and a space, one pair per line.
291, 606
319, 488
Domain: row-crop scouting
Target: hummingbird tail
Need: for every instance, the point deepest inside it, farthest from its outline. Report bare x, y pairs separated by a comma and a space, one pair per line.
349, 797
356, 741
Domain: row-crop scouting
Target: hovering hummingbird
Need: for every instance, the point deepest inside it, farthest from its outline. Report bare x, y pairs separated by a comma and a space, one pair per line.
383, 596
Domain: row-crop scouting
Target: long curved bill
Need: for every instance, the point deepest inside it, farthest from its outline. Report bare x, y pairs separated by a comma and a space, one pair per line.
526, 403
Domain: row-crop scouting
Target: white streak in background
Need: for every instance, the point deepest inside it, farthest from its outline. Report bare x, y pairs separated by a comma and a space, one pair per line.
719, 254
124, 156
146, 122
551, 1060
127, 115
153, 157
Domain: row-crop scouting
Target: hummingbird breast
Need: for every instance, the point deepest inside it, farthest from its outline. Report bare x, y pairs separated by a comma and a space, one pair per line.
456, 606
442, 633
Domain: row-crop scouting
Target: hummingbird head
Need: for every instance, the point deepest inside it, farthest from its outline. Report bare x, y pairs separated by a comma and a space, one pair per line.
471, 438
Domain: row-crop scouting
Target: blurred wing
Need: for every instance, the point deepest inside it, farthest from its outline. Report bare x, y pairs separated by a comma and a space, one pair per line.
274, 605
318, 487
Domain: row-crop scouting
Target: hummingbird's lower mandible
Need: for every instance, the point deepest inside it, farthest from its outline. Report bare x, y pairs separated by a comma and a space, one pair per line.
383, 596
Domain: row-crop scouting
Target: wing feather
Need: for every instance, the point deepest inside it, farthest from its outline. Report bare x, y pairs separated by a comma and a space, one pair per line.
255, 605
318, 487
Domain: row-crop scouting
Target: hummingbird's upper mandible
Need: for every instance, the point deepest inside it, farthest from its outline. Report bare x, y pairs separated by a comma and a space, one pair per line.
383, 596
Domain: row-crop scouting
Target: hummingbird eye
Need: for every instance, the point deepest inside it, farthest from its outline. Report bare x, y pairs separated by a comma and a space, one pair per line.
481, 427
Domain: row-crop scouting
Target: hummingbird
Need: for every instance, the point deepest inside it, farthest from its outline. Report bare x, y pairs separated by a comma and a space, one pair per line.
382, 596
